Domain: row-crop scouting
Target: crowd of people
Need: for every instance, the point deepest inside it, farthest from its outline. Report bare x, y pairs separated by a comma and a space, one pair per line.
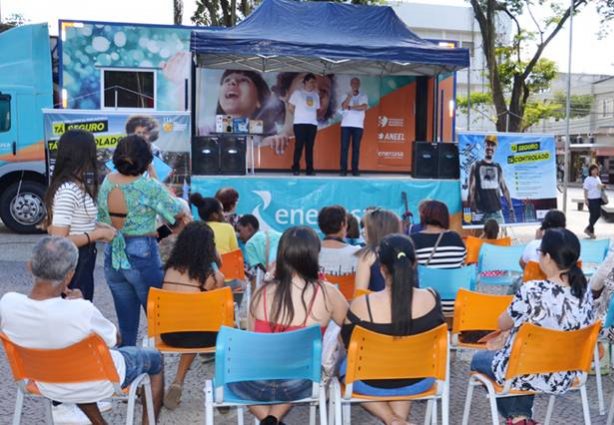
129, 207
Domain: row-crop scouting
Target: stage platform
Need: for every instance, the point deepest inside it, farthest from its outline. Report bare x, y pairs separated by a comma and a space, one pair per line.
283, 200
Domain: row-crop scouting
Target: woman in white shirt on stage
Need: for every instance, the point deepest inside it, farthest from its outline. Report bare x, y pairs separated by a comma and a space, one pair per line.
592, 197
304, 105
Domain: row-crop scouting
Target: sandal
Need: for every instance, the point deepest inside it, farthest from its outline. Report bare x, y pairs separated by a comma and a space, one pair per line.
172, 398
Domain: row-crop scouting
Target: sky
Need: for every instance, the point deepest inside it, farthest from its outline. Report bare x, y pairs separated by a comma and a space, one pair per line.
590, 55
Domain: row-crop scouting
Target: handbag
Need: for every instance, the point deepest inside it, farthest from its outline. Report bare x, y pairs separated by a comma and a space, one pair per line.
604, 198
332, 352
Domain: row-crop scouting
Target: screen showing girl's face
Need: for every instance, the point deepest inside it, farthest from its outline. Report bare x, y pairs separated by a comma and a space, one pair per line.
238, 95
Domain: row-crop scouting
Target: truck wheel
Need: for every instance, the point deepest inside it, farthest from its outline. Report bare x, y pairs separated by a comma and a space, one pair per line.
24, 211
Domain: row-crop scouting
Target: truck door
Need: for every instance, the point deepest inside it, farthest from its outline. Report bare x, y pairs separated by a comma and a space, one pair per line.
8, 128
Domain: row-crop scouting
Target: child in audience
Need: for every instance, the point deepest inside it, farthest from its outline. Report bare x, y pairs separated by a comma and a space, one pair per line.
491, 230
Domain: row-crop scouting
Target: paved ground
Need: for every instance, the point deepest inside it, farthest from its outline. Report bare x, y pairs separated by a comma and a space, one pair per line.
14, 251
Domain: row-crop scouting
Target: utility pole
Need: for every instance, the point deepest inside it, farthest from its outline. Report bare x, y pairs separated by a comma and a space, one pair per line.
568, 111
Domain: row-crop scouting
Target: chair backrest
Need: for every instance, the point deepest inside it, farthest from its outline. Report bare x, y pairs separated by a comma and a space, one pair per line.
174, 311
476, 311
251, 356
447, 281
594, 251
233, 265
87, 360
533, 271
372, 355
474, 245
505, 258
542, 350
345, 282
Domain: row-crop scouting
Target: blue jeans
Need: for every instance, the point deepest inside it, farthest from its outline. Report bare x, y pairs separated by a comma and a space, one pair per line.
140, 360
272, 390
130, 287
355, 134
509, 407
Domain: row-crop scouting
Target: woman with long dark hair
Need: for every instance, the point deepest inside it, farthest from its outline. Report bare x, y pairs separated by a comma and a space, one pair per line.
294, 299
71, 204
562, 301
400, 309
192, 267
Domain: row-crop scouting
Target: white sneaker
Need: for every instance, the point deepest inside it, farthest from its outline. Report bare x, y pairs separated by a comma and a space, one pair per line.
104, 406
69, 414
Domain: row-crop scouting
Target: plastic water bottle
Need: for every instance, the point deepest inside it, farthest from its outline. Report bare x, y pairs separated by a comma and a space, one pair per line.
185, 190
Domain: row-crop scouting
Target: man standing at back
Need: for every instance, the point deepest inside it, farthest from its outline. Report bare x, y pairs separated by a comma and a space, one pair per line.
353, 109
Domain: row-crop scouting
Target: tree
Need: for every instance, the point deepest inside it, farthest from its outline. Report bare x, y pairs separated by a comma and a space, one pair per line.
12, 20
226, 13
515, 69
177, 12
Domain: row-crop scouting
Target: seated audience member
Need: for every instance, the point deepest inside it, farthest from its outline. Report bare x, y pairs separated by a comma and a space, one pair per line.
294, 299
377, 224
260, 245
400, 309
436, 245
229, 199
336, 256
210, 211
561, 302
353, 231
602, 286
554, 219
490, 230
44, 320
191, 267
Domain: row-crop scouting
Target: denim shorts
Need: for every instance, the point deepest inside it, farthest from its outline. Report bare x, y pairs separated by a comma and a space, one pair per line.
272, 390
140, 360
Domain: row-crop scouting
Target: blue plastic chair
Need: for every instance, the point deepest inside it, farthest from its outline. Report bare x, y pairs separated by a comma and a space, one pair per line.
592, 253
447, 281
249, 356
501, 258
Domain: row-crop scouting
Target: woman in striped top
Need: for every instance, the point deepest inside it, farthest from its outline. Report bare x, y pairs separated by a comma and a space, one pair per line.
70, 203
436, 245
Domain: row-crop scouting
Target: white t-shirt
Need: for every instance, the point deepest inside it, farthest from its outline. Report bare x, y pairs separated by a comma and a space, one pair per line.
530, 251
306, 104
591, 185
74, 208
58, 323
352, 118
337, 261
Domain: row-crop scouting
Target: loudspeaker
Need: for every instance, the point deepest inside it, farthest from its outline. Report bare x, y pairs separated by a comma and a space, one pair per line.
206, 155
425, 160
232, 155
448, 162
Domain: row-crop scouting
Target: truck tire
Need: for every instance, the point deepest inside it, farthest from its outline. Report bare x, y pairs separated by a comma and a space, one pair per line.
23, 213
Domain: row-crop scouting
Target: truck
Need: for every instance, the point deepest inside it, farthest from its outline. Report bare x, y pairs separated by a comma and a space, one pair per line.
26, 87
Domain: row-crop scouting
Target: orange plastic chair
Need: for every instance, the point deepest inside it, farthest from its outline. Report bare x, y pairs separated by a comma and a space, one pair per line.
345, 283
173, 311
361, 292
476, 311
538, 350
377, 356
532, 271
474, 244
233, 265
86, 361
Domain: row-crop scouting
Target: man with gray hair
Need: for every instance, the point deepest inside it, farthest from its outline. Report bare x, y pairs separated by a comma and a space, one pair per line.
52, 316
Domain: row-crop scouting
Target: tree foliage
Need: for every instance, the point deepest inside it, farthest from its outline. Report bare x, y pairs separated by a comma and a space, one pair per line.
177, 12
515, 67
12, 20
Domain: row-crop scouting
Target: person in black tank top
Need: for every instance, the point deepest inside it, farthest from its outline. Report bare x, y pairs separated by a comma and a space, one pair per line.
400, 309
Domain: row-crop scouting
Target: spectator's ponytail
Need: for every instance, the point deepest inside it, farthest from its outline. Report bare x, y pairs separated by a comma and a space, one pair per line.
209, 209
398, 257
563, 247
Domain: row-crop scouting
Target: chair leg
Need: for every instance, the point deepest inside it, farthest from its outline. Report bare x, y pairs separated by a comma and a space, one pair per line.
323, 416
585, 407
611, 413
18, 407
338, 419
312, 414
445, 407
434, 413
151, 416
597, 366
331, 406
428, 416
240, 415
131, 404
208, 403
48, 412
468, 400
347, 414
550, 410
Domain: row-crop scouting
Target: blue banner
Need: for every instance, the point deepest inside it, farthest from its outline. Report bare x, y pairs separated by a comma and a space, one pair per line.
282, 202
508, 177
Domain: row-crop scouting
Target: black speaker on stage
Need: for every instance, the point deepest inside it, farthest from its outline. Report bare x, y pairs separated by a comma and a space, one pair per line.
425, 160
232, 155
206, 155
448, 162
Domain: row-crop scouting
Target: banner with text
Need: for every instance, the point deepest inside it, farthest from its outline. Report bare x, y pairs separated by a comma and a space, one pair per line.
167, 132
509, 177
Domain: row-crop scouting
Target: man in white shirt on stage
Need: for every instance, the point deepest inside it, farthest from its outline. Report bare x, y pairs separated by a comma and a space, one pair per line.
353, 109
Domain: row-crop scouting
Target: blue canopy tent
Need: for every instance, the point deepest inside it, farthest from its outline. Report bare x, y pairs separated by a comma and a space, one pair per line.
323, 37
